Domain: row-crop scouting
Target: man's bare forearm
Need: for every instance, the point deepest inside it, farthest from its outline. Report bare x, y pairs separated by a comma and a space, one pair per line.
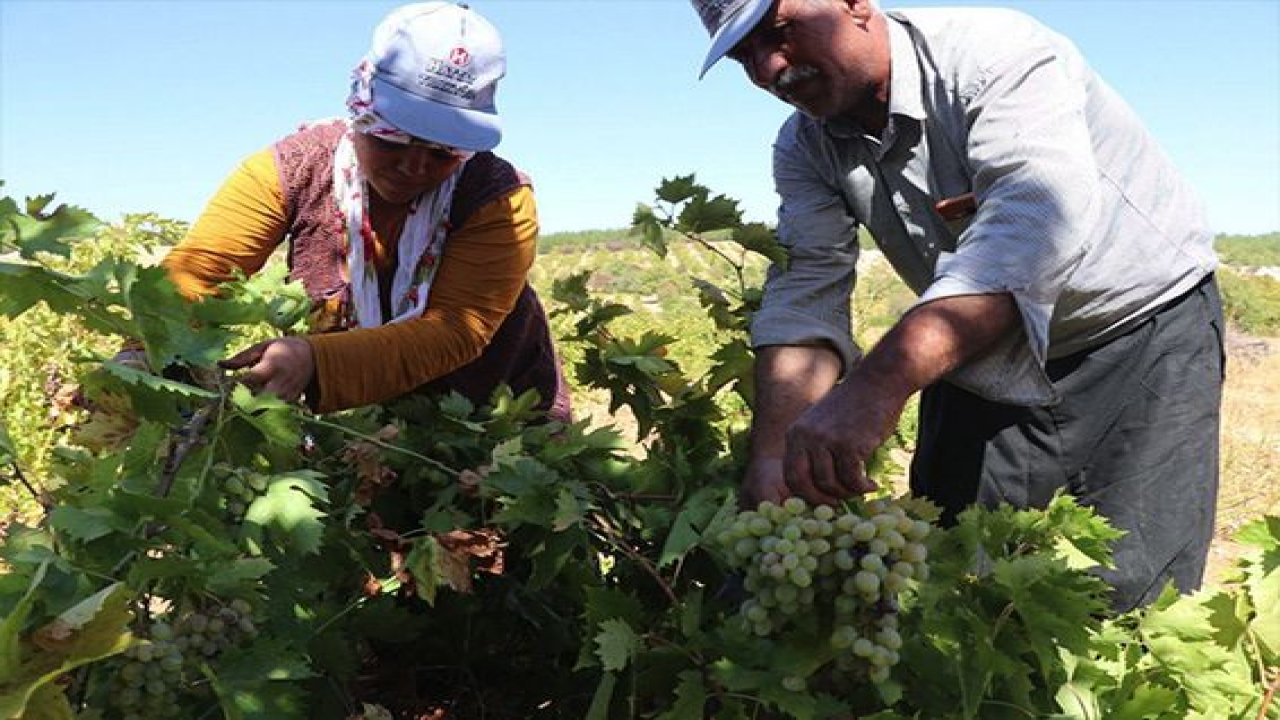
934, 339
789, 379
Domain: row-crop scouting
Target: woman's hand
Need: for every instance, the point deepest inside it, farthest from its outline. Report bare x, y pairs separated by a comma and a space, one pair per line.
283, 367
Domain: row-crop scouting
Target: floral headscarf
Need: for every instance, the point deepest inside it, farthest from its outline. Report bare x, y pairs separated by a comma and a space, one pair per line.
421, 240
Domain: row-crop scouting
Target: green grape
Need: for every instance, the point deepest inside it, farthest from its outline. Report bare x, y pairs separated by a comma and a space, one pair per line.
794, 683
843, 637
871, 562
863, 531
824, 512
866, 582
889, 638
760, 527
795, 505
915, 553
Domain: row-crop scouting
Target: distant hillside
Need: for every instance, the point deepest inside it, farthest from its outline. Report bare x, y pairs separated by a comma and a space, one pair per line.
1244, 250
1250, 250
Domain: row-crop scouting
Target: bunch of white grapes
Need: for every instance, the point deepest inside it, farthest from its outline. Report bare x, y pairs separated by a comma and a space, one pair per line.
157, 671
844, 567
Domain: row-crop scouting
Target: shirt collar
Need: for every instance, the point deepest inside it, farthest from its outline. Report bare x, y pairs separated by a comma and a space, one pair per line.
904, 85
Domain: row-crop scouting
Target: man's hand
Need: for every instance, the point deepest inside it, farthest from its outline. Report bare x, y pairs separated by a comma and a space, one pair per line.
283, 367
764, 481
828, 446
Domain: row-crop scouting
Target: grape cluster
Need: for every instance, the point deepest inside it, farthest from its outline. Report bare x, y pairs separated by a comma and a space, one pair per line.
240, 488
843, 568
159, 670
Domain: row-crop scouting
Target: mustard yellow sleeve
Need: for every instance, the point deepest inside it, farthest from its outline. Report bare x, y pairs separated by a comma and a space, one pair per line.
239, 228
481, 274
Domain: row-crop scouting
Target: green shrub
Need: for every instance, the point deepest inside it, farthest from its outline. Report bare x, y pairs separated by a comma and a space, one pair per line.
1249, 250
1251, 302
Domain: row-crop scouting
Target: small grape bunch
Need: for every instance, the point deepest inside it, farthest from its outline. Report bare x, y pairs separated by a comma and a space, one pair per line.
240, 488
148, 681
161, 669
841, 567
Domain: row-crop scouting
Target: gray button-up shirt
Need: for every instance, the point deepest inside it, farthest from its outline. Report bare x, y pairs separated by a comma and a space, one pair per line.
1081, 216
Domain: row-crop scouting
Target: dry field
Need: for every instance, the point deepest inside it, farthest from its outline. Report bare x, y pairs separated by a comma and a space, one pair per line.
1250, 442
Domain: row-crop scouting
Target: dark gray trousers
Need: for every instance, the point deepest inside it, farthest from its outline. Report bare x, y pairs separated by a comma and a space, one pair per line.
1135, 437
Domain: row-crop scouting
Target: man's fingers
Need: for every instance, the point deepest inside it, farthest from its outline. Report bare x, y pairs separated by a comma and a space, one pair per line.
799, 474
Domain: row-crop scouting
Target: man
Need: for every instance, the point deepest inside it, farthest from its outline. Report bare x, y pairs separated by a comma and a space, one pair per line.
1068, 334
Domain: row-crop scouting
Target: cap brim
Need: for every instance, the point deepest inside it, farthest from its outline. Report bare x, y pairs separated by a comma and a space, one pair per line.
475, 130
732, 31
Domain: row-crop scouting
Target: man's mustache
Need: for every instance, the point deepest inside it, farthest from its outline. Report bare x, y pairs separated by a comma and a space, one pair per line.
789, 78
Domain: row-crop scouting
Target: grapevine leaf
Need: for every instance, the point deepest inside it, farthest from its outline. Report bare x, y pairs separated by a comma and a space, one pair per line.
95, 628
1264, 590
36, 231
227, 578
1077, 702
287, 510
11, 629
703, 214
686, 530
48, 702
571, 507
423, 565
649, 228
266, 296
1261, 533
24, 286
85, 524
617, 643
274, 418
678, 189
760, 238
154, 397
691, 698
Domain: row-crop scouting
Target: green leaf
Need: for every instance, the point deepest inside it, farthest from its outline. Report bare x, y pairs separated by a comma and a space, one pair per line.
226, 579
287, 510
617, 644
571, 507
48, 702
36, 230
154, 397
761, 239
423, 565
649, 227
691, 698
94, 628
275, 419
11, 629
678, 189
1262, 533
85, 524
703, 214
686, 529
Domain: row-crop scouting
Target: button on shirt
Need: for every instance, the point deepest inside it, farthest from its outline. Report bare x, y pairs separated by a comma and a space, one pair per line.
1081, 217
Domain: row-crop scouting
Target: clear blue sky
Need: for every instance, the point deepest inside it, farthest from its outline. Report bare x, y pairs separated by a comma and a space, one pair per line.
128, 106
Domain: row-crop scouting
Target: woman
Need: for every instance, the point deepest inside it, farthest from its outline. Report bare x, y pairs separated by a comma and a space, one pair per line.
412, 239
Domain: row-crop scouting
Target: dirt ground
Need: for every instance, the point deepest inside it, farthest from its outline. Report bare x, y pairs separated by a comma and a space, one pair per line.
1250, 483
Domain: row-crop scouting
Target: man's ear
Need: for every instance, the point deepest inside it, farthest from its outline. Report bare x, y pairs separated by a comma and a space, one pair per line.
861, 10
